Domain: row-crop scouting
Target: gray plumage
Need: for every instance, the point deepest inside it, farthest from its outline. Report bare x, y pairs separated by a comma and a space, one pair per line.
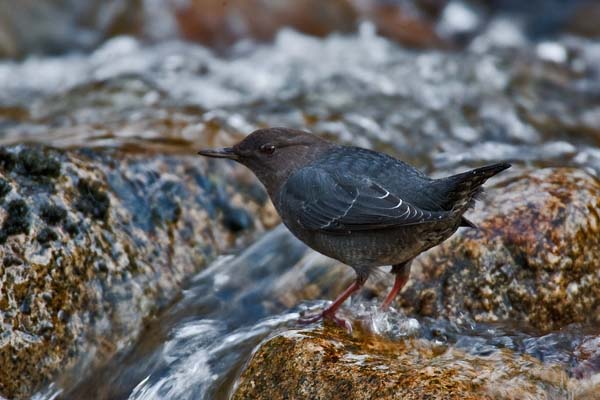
368, 209
362, 207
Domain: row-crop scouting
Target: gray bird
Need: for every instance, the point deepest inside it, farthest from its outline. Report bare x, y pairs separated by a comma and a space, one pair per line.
361, 207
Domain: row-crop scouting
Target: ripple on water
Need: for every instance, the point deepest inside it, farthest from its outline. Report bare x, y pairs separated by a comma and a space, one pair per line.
429, 107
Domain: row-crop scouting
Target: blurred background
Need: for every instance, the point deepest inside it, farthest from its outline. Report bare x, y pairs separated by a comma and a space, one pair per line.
30, 27
136, 302
116, 72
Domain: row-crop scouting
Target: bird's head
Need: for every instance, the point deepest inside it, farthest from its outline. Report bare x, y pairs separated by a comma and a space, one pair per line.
273, 153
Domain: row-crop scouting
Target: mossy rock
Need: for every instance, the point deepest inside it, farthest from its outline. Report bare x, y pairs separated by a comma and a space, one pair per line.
534, 259
92, 243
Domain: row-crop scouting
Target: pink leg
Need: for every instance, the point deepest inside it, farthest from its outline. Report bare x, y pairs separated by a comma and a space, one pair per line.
329, 312
402, 272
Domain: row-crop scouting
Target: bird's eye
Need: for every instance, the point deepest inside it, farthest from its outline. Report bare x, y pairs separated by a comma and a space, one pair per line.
267, 148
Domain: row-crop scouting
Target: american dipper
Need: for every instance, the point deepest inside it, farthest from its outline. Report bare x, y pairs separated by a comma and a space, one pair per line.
361, 207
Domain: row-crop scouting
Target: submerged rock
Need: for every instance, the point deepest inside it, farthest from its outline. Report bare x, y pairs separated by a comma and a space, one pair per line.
92, 243
327, 364
533, 260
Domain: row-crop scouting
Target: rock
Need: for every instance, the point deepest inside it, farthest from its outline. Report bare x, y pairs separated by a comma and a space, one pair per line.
93, 242
534, 259
327, 364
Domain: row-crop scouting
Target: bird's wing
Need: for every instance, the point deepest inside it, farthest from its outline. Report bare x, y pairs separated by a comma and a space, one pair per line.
338, 202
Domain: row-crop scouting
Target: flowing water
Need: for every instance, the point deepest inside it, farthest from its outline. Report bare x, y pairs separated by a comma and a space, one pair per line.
196, 347
532, 103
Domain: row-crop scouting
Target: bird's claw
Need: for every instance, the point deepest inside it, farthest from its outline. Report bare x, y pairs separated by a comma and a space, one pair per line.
341, 322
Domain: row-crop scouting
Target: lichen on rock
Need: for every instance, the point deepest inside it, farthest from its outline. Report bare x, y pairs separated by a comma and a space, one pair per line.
533, 259
91, 244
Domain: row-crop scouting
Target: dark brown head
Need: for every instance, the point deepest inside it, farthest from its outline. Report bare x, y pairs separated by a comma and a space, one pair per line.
273, 153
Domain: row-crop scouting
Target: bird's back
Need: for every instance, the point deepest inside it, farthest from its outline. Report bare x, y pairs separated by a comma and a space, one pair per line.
400, 178
408, 183
368, 209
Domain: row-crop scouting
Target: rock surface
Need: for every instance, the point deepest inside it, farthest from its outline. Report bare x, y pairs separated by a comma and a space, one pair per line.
535, 258
328, 364
92, 243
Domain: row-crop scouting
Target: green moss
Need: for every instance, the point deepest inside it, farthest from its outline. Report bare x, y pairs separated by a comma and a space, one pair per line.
93, 201
37, 164
17, 220
52, 214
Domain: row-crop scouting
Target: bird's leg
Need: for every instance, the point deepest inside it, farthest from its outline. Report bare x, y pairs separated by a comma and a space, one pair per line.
329, 312
402, 272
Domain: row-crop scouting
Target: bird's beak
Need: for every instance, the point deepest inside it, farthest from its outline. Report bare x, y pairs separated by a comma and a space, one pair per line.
225, 152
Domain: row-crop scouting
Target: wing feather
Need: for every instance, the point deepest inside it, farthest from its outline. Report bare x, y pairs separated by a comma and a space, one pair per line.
334, 202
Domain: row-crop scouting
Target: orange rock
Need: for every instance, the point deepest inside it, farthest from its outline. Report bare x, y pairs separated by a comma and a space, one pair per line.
534, 258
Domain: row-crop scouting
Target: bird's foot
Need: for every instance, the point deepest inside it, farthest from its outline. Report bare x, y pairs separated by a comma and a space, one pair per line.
325, 315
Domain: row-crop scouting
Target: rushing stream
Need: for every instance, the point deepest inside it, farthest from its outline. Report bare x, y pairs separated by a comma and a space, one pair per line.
503, 97
196, 347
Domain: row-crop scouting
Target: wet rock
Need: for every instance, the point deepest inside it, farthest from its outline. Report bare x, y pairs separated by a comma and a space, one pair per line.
533, 260
88, 257
327, 363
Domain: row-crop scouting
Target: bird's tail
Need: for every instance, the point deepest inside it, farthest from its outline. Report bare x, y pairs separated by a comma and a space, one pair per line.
461, 190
